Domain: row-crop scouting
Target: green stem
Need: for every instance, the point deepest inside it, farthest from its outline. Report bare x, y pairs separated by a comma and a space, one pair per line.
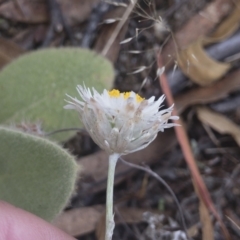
109, 201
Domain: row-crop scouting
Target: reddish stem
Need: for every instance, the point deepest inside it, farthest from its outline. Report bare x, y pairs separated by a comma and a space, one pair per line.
187, 152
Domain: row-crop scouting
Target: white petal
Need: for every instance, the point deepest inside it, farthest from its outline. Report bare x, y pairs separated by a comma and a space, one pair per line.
121, 125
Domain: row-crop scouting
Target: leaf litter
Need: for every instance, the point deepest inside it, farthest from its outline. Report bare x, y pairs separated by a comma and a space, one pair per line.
163, 155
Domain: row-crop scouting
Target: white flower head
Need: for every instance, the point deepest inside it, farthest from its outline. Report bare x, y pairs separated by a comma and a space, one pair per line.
120, 123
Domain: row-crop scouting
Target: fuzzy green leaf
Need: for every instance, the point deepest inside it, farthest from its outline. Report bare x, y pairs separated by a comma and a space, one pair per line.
35, 174
33, 87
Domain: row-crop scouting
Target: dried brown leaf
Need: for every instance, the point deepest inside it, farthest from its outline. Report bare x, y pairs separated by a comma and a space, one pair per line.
101, 227
215, 92
131, 215
199, 25
122, 215
79, 221
199, 66
36, 11
207, 227
219, 122
77, 11
227, 27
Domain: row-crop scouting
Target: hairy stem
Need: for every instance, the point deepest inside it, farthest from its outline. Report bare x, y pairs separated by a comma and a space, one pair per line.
109, 198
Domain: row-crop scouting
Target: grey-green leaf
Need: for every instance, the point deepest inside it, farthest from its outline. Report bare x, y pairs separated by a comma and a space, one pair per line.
35, 174
33, 87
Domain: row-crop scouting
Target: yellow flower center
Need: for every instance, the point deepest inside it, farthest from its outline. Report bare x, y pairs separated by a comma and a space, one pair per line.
139, 99
126, 95
116, 93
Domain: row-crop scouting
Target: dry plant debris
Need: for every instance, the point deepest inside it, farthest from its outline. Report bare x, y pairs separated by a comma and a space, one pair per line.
219, 122
197, 64
199, 25
36, 11
201, 190
149, 28
212, 93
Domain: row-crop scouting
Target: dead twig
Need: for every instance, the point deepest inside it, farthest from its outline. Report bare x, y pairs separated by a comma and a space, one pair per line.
185, 146
162, 181
90, 32
119, 27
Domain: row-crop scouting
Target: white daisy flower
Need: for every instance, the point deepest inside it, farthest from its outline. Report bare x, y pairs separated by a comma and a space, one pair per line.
121, 123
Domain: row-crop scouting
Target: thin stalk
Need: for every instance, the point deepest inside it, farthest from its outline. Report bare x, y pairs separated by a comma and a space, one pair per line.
109, 197
118, 27
164, 183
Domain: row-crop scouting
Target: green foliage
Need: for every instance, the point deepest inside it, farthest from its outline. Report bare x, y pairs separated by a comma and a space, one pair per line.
35, 174
33, 87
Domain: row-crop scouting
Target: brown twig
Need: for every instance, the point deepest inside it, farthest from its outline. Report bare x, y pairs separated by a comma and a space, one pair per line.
93, 22
185, 146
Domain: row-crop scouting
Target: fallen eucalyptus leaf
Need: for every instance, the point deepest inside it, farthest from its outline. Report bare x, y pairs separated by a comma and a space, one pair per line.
217, 91
201, 24
198, 66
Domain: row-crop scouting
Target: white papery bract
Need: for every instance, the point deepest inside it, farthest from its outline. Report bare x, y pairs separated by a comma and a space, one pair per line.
120, 123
